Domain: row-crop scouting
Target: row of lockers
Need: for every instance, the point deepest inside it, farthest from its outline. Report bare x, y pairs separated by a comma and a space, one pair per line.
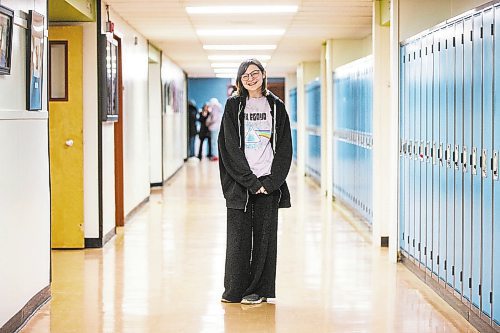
450, 139
313, 129
292, 105
352, 152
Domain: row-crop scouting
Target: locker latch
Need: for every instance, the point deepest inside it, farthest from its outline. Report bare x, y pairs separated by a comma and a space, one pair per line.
428, 151
494, 167
440, 153
410, 148
433, 153
473, 161
448, 156
464, 159
421, 151
484, 165
455, 157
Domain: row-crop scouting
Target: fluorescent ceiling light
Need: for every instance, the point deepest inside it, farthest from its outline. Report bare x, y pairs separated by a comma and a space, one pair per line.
260, 9
223, 57
226, 70
239, 47
226, 76
240, 32
230, 64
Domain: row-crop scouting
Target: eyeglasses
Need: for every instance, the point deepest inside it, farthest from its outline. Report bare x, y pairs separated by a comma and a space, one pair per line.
252, 74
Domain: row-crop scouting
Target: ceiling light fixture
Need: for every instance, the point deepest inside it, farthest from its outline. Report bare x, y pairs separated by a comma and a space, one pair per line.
260, 9
226, 70
226, 76
232, 47
240, 32
229, 57
229, 64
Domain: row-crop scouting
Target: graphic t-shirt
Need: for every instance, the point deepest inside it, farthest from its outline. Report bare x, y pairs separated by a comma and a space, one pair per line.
258, 128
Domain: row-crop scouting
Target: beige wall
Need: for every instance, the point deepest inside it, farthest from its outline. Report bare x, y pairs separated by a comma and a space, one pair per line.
416, 16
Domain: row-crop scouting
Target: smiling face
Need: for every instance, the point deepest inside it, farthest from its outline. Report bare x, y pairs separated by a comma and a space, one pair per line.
252, 79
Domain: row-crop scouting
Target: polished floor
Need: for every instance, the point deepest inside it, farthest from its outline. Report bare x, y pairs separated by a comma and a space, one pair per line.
163, 272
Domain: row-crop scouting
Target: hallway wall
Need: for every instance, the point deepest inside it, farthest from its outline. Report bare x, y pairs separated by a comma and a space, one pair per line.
135, 116
174, 117
24, 182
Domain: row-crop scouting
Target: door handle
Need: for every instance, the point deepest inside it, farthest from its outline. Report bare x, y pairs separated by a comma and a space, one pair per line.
69, 143
494, 167
473, 161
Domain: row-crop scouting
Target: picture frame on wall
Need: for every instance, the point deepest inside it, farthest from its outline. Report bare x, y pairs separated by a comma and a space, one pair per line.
34, 64
109, 80
6, 29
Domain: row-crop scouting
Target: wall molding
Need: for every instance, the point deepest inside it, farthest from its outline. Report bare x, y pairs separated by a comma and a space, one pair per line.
22, 316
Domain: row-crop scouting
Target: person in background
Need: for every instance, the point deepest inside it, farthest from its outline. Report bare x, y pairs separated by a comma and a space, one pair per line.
213, 123
204, 133
192, 132
255, 150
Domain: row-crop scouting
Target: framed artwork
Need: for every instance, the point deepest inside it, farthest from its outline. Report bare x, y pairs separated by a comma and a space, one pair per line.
109, 66
6, 25
34, 65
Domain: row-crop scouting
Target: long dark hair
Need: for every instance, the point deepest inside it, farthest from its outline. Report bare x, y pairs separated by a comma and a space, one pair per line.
242, 91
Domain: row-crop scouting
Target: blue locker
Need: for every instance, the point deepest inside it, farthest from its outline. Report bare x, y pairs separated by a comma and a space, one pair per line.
450, 146
423, 138
412, 121
418, 147
402, 143
407, 117
457, 161
486, 154
428, 166
467, 158
435, 155
443, 74
477, 78
496, 183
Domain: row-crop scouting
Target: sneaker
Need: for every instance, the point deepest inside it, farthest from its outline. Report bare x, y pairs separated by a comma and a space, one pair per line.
223, 300
253, 299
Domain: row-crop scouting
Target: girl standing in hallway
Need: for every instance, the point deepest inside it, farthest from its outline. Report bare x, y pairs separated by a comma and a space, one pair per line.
255, 149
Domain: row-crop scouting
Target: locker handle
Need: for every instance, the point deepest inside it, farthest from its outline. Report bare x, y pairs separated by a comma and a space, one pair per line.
433, 153
464, 159
473, 160
448, 156
440, 153
455, 157
494, 166
484, 166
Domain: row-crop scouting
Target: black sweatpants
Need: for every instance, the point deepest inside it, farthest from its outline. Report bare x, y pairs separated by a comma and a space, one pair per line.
251, 248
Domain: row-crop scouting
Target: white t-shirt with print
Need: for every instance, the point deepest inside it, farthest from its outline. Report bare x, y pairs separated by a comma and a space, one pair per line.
258, 129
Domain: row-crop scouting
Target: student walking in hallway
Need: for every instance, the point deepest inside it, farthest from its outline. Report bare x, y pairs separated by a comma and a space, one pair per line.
255, 147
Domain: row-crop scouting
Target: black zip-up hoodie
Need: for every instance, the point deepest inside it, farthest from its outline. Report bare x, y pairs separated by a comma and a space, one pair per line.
237, 179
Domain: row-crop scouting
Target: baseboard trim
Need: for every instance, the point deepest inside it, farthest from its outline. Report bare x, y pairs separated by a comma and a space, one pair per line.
156, 184
27, 311
109, 235
474, 319
136, 209
92, 243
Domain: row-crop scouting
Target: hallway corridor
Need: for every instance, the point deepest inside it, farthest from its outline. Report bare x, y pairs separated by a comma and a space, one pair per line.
163, 272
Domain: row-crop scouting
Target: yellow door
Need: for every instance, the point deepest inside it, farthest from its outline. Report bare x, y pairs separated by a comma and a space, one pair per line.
66, 135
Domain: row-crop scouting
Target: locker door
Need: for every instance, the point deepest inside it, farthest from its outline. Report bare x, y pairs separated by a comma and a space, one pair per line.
423, 164
412, 113
459, 78
402, 142
477, 79
406, 204
443, 74
436, 154
450, 146
487, 147
429, 74
467, 157
416, 157
496, 183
